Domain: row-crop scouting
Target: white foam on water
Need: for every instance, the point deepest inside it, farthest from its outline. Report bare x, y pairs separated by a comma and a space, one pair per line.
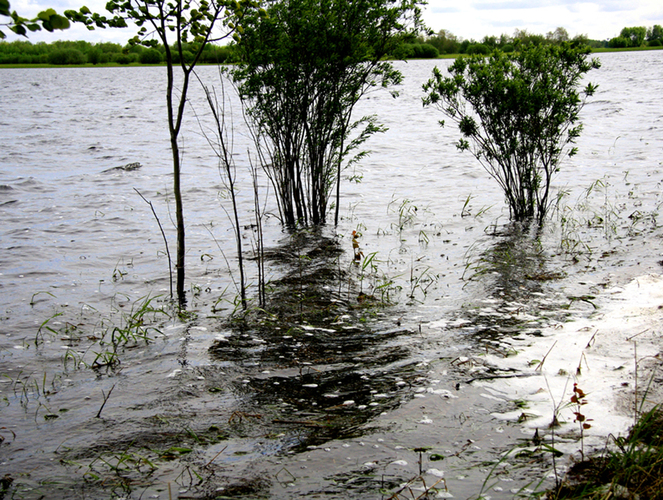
598, 353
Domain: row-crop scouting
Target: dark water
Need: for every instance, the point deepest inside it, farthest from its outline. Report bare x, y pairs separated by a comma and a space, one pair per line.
332, 406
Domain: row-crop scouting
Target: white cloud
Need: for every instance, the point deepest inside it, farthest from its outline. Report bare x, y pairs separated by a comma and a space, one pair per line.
507, 5
597, 19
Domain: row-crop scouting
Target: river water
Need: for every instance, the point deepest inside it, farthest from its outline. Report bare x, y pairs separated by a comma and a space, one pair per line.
487, 329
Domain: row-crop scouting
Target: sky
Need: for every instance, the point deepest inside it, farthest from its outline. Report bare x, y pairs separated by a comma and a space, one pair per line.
473, 19
599, 20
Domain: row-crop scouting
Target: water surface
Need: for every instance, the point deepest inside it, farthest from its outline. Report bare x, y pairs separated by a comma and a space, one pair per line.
304, 410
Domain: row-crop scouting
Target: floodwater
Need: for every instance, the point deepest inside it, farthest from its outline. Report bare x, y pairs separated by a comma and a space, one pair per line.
427, 368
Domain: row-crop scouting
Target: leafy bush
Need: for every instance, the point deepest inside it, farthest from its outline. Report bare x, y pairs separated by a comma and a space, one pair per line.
109, 48
8, 58
186, 54
425, 51
478, 48
122, 58
618, 43
415, 51
655, 43
445, 42
150, 56
635, 35
66, 56
403, 51
93, 56
517, 114
214, 54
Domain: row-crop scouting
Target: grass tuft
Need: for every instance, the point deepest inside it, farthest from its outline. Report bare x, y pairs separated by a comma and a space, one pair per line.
631, 467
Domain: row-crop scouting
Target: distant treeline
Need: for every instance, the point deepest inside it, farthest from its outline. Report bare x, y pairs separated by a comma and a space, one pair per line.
81, 52
430, 47
446, 43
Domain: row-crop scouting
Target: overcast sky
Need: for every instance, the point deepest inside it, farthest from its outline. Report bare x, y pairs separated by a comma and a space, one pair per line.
598, 19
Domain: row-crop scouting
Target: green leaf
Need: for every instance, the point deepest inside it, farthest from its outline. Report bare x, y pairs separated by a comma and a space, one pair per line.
4, 8
18, 29
45, 15
59, 22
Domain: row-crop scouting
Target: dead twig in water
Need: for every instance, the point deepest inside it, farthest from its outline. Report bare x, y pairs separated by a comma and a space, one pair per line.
634, 336
493, 377
408, 486
307, 423
106, 396
540, 365
165, 240
215, 457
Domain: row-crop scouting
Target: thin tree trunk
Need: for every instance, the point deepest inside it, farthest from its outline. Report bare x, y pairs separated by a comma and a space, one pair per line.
174, 125
179, 217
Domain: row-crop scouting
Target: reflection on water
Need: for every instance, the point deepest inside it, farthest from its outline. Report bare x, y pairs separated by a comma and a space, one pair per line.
312, 360
515, 274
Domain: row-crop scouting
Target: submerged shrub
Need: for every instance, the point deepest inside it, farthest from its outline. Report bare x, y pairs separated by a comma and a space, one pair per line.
304, 66
518, 115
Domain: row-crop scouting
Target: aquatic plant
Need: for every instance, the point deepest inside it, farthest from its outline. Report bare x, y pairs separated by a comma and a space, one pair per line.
605, 210
406, 211
95, 340
417, 489
367, 269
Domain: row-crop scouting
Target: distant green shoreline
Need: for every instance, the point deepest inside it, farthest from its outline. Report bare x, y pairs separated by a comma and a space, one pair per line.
627, 49
134, 65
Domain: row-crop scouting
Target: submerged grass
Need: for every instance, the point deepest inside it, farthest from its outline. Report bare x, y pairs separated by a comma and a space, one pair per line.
100, 345
317, 346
